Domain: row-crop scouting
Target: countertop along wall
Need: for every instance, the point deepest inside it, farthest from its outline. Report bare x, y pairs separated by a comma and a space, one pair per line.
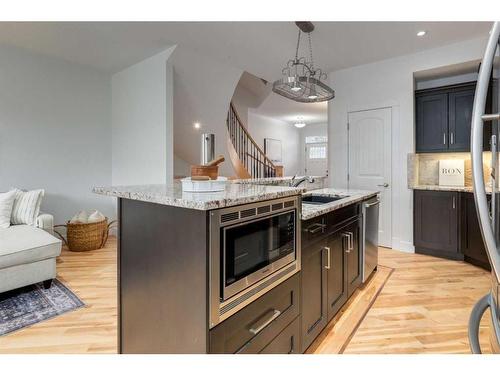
55, 131
388, 83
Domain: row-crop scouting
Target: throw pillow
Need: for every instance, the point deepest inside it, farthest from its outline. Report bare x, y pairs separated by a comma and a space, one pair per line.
6, 204
26, 206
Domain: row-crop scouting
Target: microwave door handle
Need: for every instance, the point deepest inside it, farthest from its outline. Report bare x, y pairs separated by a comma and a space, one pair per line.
267, 319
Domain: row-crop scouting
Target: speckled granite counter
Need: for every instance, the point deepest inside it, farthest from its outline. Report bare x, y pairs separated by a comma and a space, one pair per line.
235, 194
319, 181
310, 211
464, 189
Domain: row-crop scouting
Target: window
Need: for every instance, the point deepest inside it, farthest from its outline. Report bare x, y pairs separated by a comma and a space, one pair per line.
316, 139
317, 152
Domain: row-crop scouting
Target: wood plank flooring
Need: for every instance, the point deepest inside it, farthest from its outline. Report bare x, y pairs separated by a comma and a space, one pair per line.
423, 308
91, 329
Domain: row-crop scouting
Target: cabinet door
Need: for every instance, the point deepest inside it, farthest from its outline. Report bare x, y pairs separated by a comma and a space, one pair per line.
314, 292
460, 104
432, 122
436, 221
337, 273
353, 257
471, 241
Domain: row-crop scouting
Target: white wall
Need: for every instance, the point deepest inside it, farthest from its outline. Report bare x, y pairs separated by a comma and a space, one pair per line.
203, 88
261, 127
320, 129
54, 131
381, 84
142, 122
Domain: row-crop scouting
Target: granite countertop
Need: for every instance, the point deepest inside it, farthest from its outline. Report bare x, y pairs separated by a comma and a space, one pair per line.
310, 211
273, 180
172, 195
465, 189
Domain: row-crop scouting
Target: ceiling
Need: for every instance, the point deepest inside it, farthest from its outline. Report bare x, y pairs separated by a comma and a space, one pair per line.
287, 110
261, 48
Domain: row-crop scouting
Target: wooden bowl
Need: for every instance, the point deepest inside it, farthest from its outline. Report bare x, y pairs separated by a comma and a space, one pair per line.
205, 170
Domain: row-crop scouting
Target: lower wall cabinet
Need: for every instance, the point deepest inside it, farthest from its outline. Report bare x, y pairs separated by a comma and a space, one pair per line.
268, 324
446, 225
331, 272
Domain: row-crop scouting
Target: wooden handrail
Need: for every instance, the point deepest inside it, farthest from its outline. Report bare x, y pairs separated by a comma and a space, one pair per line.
271, 164
247, 157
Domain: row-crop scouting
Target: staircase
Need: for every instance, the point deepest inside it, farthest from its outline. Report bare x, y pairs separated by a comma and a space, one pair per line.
249, 161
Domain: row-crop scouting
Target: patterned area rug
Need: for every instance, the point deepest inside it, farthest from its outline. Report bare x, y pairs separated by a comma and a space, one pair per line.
26, 306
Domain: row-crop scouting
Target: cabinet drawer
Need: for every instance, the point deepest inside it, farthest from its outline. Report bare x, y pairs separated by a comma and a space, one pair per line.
254, 327
342, 215
287, 342
314, 230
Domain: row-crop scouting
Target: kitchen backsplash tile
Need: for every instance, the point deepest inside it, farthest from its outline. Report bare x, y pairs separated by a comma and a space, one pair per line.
423, 169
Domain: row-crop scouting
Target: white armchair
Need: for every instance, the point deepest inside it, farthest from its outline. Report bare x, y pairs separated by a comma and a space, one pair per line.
28, 254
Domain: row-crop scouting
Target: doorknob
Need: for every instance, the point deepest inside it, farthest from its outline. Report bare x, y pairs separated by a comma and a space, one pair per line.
385, 184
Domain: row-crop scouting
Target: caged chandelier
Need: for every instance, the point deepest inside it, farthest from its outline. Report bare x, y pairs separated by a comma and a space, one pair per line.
301, 81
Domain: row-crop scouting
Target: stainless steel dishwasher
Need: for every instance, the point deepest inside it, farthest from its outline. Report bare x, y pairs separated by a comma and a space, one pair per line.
369, 242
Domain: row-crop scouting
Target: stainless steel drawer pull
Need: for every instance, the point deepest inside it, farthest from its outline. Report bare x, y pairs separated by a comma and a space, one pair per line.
328, 257
315, 228
372, 204
452, 140
346, 235
444, 138
267, 319
351, 241
491, 117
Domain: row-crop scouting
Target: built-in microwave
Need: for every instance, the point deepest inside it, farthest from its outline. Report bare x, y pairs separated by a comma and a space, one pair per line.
253, 248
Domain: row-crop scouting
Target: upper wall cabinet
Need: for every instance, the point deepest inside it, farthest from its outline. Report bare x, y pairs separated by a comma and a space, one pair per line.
443, 119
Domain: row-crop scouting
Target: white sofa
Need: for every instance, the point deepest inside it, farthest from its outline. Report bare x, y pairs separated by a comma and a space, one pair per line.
28, 254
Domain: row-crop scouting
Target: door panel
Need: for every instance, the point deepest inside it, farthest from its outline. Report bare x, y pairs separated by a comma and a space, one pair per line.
432, 122
314, 293
336, 275
370, 161
353, 258
316, 159
436, 220
460, 112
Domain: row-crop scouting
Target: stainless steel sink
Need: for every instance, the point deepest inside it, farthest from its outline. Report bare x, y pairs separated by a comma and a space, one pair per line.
320, 199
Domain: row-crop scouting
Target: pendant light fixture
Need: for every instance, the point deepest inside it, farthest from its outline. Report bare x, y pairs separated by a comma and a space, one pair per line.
301, 81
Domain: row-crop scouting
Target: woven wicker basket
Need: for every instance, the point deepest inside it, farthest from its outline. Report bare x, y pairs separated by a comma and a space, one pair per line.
86, 237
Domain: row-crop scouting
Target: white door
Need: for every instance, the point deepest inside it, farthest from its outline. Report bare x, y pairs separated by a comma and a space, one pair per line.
316, 159
369, 134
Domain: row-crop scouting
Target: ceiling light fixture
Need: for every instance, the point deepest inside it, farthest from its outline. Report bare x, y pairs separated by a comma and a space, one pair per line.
421, 33
300, 123
197, 125
301, 81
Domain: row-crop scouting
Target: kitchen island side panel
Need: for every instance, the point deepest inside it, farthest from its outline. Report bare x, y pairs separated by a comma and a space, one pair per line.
162, 279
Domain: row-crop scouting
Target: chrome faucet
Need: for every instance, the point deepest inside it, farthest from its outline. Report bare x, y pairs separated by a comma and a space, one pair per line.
296, 183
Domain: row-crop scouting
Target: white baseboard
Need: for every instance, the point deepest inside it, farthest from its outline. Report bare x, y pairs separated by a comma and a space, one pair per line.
404, 246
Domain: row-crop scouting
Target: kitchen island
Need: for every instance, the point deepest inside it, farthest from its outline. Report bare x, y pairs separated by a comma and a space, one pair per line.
198, 272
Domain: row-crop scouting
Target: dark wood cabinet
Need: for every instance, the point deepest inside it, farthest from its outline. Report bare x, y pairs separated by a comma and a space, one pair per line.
314, 292
431, 122
337, 272
436, 223
331, 268
460, 102
446, 225
353, 257
471, 241
443, 118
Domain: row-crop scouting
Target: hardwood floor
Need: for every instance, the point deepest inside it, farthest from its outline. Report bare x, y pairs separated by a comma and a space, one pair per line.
91, 329
423, 308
